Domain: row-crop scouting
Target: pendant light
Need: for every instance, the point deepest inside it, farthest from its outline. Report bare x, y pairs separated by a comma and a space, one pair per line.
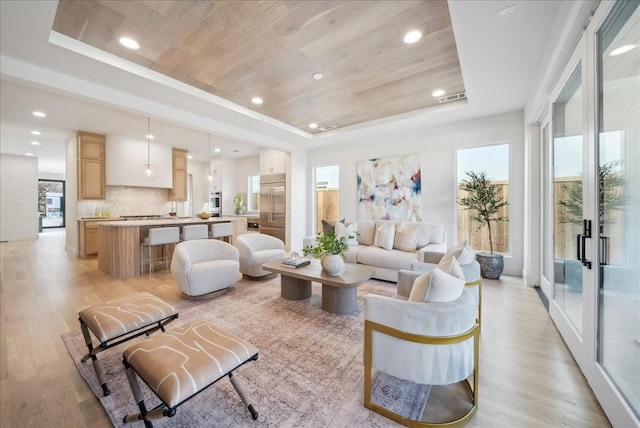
149, 173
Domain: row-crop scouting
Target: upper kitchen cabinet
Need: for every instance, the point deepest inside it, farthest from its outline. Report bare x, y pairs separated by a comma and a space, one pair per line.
179, 189
91, 166
126, 160
272, 162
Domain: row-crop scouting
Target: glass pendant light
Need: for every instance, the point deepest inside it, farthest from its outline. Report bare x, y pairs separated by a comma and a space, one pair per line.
148, 173
210, 175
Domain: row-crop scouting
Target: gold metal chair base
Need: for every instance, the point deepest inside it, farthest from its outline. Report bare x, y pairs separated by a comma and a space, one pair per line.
370, 327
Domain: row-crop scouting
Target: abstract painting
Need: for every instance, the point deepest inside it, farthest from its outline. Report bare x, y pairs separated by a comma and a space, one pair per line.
389, 188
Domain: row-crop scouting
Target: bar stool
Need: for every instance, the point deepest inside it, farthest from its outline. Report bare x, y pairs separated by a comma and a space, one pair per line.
158, 236
195, 231
223, 231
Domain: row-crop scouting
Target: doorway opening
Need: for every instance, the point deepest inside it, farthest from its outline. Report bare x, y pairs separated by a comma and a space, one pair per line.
51, 197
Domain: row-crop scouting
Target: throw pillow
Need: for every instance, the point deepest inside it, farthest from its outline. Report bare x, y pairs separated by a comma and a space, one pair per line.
420, 288
366, 232
342, 230
444, 287
406, 236
329, 225
452, 267
384, 236
466, 256
450, 254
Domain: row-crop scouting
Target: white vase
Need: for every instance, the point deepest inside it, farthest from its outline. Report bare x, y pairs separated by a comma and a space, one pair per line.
332, 264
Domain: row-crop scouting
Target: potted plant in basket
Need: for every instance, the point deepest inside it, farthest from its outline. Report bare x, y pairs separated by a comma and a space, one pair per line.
329, 248
483, 200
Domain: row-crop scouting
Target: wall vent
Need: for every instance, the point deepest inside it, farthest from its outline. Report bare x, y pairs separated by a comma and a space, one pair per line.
327, 128
452, 97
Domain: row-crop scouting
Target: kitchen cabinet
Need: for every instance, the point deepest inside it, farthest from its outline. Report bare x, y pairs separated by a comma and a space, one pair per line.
91, 166
216, 175
272, 162
88, 239
179, 189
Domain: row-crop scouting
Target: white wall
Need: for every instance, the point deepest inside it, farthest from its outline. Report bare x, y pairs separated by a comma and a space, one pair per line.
18, 198
200, 189
437, 148
244, 168
51, 176
71, 201
126, 157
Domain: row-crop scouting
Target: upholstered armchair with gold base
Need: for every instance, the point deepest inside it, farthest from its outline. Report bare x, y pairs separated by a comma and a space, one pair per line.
433, 343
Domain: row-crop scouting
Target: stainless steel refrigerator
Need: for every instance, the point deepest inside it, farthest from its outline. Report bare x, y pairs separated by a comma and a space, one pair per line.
273, 205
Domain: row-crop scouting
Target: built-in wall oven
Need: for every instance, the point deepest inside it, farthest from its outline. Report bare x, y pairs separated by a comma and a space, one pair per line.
215, 204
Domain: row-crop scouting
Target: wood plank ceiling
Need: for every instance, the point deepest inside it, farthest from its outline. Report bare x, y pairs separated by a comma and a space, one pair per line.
238, 50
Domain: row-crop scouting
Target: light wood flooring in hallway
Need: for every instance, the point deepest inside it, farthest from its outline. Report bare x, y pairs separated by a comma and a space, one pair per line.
527, 375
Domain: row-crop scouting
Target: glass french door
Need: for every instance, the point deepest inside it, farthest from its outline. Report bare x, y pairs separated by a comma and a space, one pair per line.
590, 261
618, 192
51, 195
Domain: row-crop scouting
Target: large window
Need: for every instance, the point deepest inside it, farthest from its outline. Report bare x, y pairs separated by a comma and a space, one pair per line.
493, 160
253, 193
327, 194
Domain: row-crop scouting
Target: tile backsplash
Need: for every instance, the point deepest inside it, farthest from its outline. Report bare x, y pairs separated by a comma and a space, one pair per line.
130, 201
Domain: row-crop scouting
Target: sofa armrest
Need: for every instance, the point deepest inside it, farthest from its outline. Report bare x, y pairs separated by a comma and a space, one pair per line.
405, 282
432, 256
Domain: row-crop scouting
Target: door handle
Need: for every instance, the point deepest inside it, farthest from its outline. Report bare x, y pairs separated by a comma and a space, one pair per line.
581, 243
604, 250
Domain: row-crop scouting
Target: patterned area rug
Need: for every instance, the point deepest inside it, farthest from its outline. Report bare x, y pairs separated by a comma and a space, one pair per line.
309, 371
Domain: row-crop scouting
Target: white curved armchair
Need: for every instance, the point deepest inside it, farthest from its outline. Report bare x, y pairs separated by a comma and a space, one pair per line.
255, 250
427, 343
204, 266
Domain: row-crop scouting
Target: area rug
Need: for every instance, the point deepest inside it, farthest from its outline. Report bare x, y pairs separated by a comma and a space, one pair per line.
309, 371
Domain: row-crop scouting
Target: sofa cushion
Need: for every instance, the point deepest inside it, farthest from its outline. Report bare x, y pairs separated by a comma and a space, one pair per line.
329, 225
406, 236
379, 257
385, 233
366, 230
444, 287
351, 255
348, 231
420, 288
430, 234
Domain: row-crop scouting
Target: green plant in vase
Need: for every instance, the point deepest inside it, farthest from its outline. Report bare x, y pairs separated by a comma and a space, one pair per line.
330, 249
238, 203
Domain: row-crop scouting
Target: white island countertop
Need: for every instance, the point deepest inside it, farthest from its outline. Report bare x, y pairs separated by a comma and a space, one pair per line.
166, 221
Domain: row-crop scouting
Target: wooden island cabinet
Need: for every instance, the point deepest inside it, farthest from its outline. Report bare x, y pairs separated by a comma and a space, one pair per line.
119, 242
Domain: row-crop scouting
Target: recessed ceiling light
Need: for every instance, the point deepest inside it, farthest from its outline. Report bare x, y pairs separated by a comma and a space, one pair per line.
412, 36
39, 114
36, 133
256, 100
35, 143
313, 125
622, 50
189, 157
317, 76
128, 42
438, 93
29, 154
149, 136
217, 150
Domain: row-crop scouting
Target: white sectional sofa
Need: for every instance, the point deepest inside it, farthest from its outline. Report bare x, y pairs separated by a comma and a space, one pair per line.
389, 246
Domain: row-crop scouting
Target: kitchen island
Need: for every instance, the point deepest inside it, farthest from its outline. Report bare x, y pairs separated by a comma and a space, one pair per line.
119, 241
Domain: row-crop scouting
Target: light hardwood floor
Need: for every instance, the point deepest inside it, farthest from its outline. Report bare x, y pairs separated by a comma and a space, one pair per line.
527, 375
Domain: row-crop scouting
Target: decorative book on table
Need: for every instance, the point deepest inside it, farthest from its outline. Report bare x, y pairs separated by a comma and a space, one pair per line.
295, 263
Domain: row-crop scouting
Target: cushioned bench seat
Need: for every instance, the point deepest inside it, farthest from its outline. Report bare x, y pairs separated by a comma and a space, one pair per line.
180, 363
120, 320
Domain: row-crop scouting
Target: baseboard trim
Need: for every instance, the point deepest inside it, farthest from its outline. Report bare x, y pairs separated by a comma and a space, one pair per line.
542, 296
